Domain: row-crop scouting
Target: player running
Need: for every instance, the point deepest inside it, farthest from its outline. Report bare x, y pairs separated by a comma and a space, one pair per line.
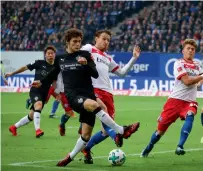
182, 101
37, 95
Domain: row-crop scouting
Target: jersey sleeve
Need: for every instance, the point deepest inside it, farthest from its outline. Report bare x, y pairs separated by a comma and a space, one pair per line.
113, 66
34, 65
179, 70
87, 47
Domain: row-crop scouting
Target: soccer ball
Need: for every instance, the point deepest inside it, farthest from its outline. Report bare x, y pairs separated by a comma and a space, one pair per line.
116, 157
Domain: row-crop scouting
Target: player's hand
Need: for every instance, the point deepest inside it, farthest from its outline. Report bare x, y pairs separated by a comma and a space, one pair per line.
199, 84
36, 84
8, 75
82, 61
5, 82
136, 51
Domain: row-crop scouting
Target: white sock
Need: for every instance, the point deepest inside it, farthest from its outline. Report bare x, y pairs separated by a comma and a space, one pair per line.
79, 146
36, 119
22, 121
107, 120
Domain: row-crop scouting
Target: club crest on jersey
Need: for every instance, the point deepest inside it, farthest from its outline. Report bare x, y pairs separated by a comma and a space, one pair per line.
43, 72
179, 69
36, 98
80, 100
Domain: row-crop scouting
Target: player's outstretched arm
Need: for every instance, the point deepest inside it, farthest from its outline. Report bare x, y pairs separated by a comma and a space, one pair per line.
199, 83
190, 80
22, 69
123, 71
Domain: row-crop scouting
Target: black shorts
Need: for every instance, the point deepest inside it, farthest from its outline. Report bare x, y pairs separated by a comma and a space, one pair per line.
76, 103
36, 96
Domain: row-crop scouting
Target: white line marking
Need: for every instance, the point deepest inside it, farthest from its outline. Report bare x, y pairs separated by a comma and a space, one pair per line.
98, 157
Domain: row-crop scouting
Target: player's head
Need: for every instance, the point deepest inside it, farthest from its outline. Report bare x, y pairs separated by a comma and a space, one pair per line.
189, 49
102, 39
73, 38
50, 53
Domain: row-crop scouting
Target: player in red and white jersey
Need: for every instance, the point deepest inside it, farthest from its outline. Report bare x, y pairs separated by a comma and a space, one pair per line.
182, 101
102, 86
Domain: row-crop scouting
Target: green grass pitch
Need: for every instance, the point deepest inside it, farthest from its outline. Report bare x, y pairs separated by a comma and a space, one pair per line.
26, 153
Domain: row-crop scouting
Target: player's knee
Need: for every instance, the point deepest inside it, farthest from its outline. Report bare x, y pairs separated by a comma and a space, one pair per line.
190, 116
160, 132
69, 113
38, 105
86, 136
94, 105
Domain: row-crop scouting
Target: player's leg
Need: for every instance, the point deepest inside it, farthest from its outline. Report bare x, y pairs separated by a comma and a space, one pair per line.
38, 103
167, 117
23, 121
55, 103
188, 114
95, 139
54, 108
88, 120
65, 117
92, 106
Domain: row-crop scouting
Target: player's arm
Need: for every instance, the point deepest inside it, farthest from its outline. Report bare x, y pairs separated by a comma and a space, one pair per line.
88, 62
190, 80
181, 74
52, 75
92, 68
30, 67
22, 69
123, 71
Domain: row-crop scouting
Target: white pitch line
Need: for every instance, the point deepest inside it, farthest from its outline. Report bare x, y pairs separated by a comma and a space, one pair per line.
97, 157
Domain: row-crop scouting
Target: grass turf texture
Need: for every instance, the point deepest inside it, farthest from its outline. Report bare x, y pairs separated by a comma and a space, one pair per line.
42, 154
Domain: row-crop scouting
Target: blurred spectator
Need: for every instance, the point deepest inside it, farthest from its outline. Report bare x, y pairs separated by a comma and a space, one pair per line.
32, 25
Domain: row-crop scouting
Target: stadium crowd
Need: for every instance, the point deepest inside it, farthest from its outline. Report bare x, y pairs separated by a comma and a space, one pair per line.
32, 25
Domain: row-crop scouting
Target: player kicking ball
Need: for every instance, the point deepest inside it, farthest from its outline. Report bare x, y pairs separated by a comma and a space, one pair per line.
182, 101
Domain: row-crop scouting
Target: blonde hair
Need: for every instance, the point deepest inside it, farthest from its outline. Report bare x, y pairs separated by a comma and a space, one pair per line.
190, 42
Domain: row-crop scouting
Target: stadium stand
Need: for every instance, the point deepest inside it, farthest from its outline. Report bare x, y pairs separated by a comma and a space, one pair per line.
32, 25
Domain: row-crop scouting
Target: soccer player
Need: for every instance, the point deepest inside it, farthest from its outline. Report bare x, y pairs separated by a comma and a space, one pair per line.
37, 95
182, 101
102, 87
3, 73
77, 68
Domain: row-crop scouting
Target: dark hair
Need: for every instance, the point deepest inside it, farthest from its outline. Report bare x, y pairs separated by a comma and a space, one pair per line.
71, 33
99, 32
49, 47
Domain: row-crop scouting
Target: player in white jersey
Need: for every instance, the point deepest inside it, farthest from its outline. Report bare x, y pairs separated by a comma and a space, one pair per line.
182, 101
102, 87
